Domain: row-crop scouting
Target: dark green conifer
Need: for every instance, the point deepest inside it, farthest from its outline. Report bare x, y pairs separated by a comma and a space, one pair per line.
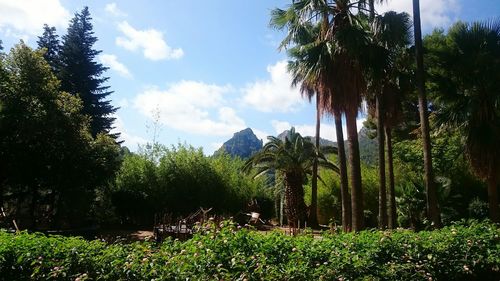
50, 42
82, 75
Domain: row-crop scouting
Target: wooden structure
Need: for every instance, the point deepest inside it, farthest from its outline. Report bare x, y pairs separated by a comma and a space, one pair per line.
180, 228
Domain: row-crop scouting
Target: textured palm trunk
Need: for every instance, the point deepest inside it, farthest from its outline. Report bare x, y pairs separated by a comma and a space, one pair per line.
371, 4
382, 193
294, 196
355, 171
344, 183
33, 212
1, 194
493, 198
53, 210
313, 211
392, 216
430, 187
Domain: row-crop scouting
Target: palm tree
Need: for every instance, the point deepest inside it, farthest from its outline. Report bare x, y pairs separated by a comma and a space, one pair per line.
467, 81
390, 36
346, 40
393, 95
309, 87
293, 160
430, 187
311, 69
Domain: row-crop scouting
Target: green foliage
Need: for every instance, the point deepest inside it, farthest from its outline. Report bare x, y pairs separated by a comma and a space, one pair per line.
292, 160
49, 41
465, 251
456, 184
465, 77
478, 209
179, 180
329, 200
48, 157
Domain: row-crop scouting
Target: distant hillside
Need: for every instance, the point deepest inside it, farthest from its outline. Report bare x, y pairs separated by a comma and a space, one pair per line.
243, 144
367, 146
322, 141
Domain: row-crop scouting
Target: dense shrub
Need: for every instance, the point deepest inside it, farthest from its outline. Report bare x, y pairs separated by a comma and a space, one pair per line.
179, 180
329, 200
459, 252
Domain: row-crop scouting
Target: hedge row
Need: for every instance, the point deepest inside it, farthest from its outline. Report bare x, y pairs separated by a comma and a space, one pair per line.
466, 251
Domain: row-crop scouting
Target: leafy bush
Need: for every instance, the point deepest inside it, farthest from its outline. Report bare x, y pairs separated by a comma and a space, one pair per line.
179, 180
459, 252
329, 200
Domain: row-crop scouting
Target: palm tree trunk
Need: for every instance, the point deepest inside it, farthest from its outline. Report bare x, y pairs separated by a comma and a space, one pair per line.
33, 211
1, 194
313, 211
430, 187
371, 4
382, 192
392, 216
355, 171
344, 184
493, 198
294, 196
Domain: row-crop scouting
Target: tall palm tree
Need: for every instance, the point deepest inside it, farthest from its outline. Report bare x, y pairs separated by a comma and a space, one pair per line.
310, 87
390, 37
430, 187
292, 159
311, 69
346, 40
382, 210
393, 100
467, 80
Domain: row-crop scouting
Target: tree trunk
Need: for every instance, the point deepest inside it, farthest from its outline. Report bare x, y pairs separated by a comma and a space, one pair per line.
294, 196
382, 192
392, 216
313, 211
1, 194
53, 210
430, 187
344, 184
371, 4
33, 211
355, 171
493, 198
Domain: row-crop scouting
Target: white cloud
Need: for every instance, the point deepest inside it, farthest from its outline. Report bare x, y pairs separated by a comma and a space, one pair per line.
327, 130
25, 17
130, 140
150, 41
433, 13
112, 62
113, 10
275, 94
192, 107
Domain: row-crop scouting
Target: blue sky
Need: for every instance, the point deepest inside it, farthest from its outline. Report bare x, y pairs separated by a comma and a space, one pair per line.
200, 70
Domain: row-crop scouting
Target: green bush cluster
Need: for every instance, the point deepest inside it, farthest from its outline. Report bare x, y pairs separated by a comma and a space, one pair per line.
179, 180
466, 251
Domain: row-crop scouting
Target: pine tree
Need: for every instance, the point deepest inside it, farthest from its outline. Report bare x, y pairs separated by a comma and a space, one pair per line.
81, 74
50, 42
